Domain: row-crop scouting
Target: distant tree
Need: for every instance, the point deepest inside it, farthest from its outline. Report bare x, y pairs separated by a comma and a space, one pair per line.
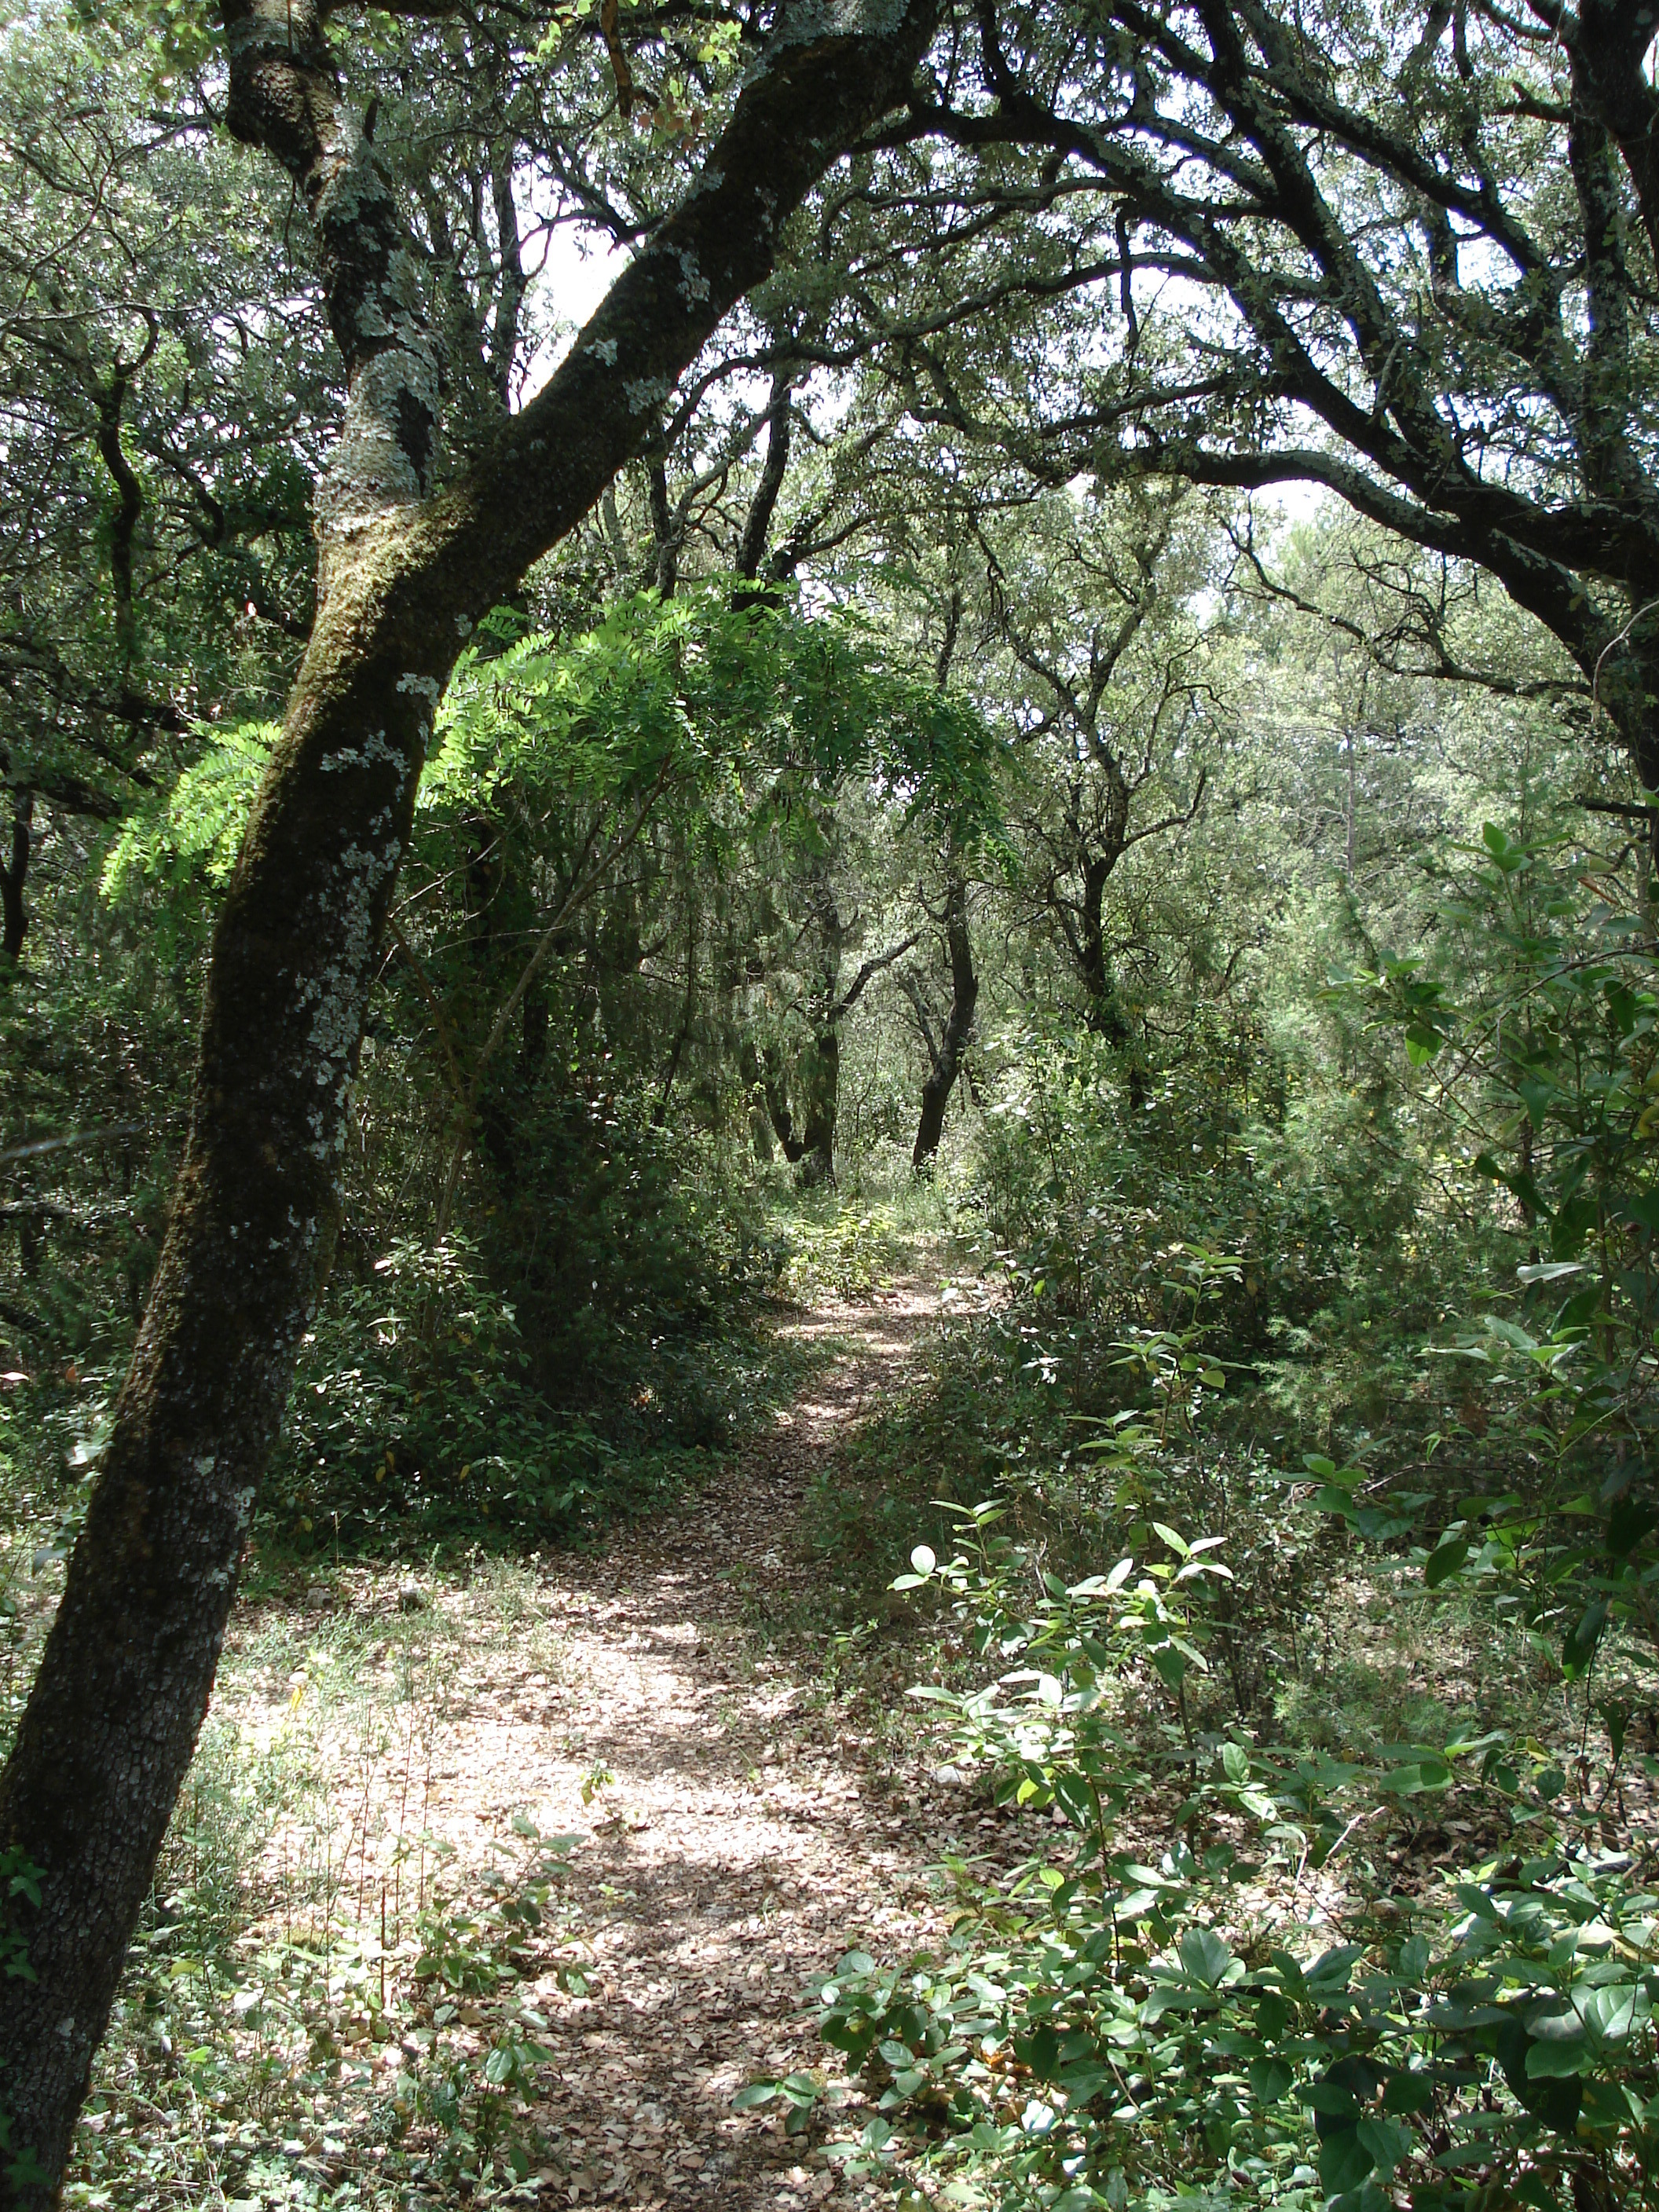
163, 408
945, 1038
1409, 253
1090, 631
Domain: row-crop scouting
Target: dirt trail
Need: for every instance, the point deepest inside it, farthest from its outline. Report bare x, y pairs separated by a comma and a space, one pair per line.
736, 1848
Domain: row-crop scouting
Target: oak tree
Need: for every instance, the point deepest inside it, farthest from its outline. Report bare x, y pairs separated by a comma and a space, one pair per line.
415, 546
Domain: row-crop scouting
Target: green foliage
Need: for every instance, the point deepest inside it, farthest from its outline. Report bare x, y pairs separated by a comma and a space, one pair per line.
192, 832
847, 1255
706, 683
20, 1886
1126, 2025
684, 695
470, 1948
1542, 1011
421, 1412
633, 1252
1108, 2045
1117, 2028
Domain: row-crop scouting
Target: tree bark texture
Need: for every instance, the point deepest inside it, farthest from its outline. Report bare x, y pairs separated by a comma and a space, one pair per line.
1100, 1011
821, 1080
774, 1090
13, 915
946, 1058
124, 1680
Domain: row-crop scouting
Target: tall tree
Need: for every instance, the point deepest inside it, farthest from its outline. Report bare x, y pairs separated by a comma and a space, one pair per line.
1407, 252
407, 564
945, 1051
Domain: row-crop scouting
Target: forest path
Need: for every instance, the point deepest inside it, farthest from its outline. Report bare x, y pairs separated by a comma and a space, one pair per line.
739, 1847
387, 1753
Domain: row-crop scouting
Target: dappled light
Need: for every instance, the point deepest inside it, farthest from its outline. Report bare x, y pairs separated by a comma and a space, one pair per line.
830, 1117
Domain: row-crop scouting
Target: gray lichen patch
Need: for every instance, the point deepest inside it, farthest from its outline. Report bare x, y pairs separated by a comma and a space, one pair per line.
644, 392
373, 469
335, 994
376, 750
693, 285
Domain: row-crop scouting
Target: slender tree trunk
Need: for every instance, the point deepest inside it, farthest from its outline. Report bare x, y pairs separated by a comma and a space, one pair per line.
128, 1668
751, 546
13, 915
774, 1090
683, 1035
754, 1083
820, 1064
667, 529
823, 1083
964, 997
1101, 1011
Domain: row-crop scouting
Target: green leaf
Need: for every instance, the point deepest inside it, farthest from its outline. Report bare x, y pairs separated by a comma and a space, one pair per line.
1579, 1649
1344, 2161
1408, 2092
1386, 2142
1081, 2084
1205, 1956
1270, 2078
1537, 1096
1559, 2045
1443, 1562
1631, 1521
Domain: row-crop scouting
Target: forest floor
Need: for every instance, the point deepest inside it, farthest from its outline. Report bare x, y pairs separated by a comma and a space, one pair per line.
743, 1842
671, 1703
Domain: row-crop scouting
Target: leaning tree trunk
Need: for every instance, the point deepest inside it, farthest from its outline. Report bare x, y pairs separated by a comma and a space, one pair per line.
128, 1668
964, 997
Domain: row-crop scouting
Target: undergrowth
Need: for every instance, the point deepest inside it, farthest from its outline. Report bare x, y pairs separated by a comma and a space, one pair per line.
322, 2007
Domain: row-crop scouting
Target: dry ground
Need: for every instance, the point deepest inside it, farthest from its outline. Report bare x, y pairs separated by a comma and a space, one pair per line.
736, 1840
748, 1846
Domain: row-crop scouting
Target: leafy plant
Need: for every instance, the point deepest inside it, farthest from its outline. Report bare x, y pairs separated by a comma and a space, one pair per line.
1118, 2029
847, 1257
20, 1882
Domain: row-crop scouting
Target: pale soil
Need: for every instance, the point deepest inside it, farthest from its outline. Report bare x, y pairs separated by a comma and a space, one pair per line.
753, 1851
745, 1838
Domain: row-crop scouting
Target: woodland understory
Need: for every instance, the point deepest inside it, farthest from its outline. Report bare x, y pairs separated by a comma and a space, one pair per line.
829, 1115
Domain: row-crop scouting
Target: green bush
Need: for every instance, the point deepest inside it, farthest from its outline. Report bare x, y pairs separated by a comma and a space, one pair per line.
419, 1414
1117, 2033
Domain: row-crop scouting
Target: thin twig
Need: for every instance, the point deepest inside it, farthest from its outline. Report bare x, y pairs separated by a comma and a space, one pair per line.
67, 1144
